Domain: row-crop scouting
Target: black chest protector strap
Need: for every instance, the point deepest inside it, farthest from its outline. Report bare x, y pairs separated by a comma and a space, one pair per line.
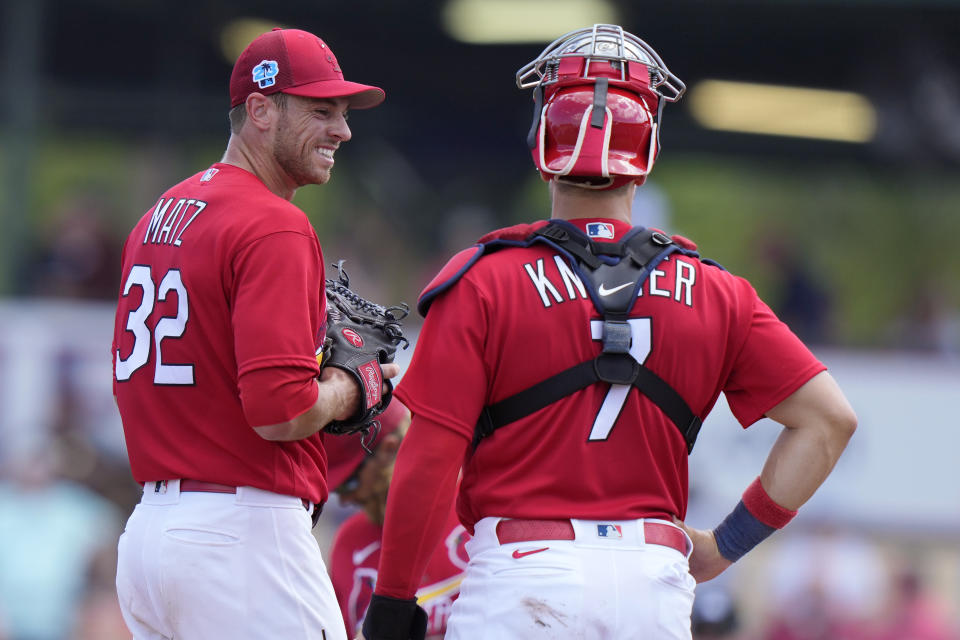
614, 273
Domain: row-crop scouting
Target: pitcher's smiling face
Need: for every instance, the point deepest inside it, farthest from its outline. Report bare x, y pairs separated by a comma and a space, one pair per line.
308, 134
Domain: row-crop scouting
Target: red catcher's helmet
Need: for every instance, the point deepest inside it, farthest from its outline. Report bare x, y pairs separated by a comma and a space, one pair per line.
598, 101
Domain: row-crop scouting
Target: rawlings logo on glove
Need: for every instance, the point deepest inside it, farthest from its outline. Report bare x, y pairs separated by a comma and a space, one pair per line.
361, 336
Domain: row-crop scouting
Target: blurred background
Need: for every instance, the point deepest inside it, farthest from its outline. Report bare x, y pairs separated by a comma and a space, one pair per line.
817, 153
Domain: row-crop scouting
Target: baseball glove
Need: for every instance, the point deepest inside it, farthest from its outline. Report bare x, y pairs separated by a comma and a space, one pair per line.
361, 335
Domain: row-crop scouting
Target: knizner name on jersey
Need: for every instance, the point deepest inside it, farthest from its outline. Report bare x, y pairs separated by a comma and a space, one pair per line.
556, 282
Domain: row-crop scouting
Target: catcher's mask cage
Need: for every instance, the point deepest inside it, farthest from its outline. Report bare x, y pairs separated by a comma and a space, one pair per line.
598, 101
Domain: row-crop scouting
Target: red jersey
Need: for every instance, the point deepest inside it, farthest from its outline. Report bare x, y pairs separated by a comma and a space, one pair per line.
220, 316
520, 315
354, 557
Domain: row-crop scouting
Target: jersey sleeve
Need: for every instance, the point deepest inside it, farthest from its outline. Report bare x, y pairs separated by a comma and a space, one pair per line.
770, 366
277, 316
448, 377
421, 497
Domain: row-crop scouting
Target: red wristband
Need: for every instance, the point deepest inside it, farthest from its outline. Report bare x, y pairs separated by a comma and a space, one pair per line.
762, 507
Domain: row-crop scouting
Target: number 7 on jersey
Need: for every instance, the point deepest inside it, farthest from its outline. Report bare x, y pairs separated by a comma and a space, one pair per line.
640, 334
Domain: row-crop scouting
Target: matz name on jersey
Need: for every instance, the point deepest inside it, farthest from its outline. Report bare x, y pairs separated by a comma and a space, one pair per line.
166, 225
555, 285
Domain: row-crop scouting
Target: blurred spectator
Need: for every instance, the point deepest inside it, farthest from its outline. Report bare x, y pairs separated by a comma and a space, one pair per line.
85, 427
823, 585
913, 613
799, 298
715, 614
53, 534
928, 322
78, 254
811, 615
99, 617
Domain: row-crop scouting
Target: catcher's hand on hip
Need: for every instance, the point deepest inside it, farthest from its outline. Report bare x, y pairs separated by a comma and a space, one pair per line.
706, 562
362, 339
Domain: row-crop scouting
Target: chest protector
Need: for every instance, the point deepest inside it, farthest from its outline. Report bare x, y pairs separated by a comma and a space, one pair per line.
633, 258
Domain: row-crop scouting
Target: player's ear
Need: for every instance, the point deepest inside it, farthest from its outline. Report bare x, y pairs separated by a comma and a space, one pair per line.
260, 111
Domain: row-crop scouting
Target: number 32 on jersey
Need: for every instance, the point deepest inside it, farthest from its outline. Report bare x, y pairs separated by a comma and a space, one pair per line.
166, 327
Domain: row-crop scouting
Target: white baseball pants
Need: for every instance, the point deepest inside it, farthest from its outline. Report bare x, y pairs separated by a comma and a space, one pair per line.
204, 566
607, 583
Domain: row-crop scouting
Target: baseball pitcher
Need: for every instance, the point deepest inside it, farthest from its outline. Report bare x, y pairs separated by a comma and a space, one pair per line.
221, 315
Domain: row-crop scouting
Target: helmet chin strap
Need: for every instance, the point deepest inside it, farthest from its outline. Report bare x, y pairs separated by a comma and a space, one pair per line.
654, 147
599, 102
537, 111
658, 116
600, 89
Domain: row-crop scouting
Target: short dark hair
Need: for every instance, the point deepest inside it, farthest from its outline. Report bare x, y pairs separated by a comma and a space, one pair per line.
238, 115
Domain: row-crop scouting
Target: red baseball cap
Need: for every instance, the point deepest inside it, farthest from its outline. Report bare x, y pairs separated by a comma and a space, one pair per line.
299, 63
344, 453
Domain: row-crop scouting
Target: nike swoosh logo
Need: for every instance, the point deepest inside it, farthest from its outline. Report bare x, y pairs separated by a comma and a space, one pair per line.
519, 554
606, 292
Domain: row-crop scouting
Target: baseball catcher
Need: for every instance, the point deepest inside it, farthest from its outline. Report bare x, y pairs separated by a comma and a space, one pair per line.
361, 335
565, 434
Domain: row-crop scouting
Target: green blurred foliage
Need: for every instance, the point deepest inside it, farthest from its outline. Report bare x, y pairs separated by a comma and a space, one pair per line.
83, 165
875, 239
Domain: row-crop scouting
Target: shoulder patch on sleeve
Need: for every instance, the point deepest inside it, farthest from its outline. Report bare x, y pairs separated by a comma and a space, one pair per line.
686, 243
516, 233
516, 236
448, 275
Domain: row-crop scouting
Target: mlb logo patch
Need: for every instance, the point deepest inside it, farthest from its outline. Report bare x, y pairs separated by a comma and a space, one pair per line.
209, 174
609, 531
265, 73
600, 230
